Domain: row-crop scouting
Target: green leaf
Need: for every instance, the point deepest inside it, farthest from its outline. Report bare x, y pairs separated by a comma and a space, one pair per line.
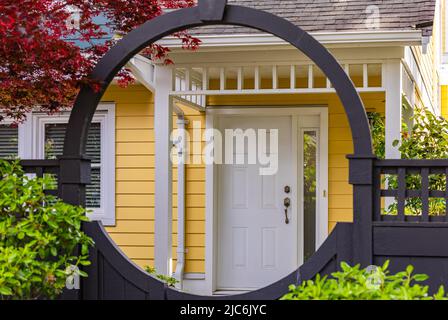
5, 291
82, 273
84, 249
440, 295
409, 269
421, 277
85, 263
345, 266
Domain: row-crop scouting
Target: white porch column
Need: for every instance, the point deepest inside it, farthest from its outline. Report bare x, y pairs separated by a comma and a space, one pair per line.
163, 114
393, 83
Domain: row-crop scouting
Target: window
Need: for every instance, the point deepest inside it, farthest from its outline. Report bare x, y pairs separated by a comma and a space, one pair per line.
53, 147
310, 156
42, 137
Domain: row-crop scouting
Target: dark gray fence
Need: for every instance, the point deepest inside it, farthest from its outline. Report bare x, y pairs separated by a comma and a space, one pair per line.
418, 240
397, 172
39, 168
113, 276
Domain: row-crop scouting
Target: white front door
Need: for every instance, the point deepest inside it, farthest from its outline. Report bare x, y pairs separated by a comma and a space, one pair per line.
257, 241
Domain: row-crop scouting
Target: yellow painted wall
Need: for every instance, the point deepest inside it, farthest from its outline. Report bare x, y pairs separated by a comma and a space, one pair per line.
134, 230
444, 101
428, 68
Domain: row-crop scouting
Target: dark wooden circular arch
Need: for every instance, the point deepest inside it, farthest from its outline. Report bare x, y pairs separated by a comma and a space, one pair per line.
153, 30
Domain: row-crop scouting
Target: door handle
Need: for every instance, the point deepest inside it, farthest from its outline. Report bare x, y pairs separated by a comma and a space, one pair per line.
287, 204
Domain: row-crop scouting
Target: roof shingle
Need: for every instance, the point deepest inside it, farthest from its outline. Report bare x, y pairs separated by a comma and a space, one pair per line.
338, 15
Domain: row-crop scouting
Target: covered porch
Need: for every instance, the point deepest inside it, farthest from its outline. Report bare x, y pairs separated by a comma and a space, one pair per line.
251, 84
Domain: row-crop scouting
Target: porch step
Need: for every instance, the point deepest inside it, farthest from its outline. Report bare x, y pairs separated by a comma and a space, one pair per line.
229, 292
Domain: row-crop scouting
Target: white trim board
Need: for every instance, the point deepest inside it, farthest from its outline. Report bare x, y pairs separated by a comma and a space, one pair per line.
211, 227
234, 56
403, 37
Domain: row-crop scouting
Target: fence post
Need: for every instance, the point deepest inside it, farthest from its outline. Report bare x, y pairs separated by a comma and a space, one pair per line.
361, 177
74, 174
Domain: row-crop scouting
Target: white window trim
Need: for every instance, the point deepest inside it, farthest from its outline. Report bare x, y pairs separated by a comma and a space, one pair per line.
32, 146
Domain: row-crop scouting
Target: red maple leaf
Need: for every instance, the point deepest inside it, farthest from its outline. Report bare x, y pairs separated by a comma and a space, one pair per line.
41, 64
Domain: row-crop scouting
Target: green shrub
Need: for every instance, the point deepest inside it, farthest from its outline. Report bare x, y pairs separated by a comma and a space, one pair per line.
426, 139
167, 279
38, 235
353, 283
378, 132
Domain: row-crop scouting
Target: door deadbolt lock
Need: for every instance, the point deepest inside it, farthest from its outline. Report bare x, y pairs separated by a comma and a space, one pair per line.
287, 189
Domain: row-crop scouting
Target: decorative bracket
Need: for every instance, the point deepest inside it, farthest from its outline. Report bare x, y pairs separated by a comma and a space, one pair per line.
212, 10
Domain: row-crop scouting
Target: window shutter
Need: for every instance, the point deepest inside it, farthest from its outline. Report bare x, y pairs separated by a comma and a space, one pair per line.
54, 144
93, 147
9, 146
93, 190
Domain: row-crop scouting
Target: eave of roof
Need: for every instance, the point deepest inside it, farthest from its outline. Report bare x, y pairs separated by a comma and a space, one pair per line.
363, 38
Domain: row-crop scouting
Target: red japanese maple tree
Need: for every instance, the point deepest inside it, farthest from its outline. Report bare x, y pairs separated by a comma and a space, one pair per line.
41, 60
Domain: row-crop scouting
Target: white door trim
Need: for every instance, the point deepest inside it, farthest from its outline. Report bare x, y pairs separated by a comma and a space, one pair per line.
212, 114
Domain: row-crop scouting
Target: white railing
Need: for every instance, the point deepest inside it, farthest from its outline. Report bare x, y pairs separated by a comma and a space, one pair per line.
191, 82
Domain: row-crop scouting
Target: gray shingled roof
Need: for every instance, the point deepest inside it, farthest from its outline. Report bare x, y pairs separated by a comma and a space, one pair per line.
337, 15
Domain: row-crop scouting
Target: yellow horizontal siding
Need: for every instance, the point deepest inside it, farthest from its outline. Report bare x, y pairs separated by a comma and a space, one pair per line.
134, 230
444, 101
428, 67
147, 174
